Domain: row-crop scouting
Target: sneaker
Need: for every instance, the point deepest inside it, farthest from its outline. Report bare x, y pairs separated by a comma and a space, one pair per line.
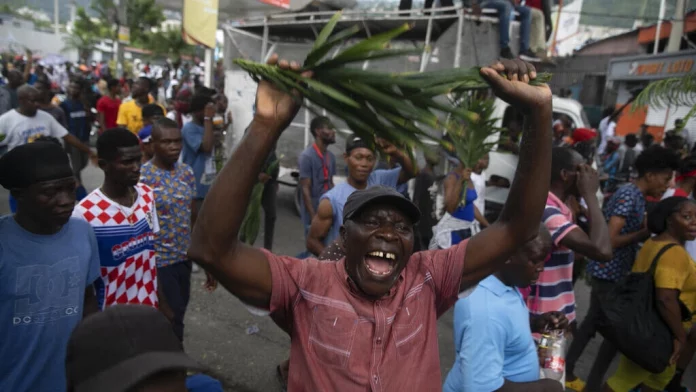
576, 385
530, 56
506, 53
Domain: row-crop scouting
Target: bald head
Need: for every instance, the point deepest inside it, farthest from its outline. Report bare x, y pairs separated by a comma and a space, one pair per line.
14, 78
28, 99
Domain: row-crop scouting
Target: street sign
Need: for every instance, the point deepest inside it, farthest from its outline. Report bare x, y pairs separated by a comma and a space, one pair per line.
123, 34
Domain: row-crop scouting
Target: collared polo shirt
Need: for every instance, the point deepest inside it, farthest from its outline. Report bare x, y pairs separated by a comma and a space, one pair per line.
553, 291
341, 341
493, 340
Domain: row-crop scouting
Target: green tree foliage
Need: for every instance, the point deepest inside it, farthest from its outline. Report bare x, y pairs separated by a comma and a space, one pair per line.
142, 17
169, 43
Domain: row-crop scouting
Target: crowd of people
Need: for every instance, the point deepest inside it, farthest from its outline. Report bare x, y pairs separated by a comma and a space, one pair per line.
81, 274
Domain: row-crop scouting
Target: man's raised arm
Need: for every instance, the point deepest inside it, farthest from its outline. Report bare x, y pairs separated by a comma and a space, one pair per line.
243, 270
520, 217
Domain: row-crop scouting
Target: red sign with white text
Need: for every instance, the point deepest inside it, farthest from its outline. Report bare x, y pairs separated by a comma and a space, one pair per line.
277, 3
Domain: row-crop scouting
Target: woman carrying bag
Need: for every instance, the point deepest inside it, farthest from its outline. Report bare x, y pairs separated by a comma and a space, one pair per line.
673, 221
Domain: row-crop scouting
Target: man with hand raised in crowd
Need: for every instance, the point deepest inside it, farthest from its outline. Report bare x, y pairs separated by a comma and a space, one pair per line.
360, 159
368, 320
570, 176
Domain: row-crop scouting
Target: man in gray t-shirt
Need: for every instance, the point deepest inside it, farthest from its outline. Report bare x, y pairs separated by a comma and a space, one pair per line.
317, 167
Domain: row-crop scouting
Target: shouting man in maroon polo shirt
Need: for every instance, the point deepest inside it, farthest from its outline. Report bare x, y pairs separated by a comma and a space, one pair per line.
368, 321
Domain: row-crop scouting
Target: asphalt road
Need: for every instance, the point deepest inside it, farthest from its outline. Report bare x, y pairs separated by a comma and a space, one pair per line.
217, 325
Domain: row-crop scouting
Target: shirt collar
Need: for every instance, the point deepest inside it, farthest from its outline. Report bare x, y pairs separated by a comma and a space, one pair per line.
495, 286
556, 202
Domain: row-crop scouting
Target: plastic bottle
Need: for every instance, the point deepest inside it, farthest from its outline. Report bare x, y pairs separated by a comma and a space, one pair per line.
554, 361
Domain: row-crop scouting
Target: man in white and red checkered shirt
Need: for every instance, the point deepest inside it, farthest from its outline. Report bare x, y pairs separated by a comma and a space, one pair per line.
123, 216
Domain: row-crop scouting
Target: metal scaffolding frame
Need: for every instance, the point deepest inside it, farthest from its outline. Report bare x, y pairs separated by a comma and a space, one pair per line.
313, 19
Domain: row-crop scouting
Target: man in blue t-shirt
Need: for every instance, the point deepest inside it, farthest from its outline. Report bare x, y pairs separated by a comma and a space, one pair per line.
317, 168
49, 263
495, 350
199, 142
360, 159
77, 115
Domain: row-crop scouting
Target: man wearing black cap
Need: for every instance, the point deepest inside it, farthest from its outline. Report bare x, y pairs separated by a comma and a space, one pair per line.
126, 348
48, 264
360, 159
368, 321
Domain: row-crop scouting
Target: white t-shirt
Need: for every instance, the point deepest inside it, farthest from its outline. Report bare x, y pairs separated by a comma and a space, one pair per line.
607, 128
185, 118
17, 129
479, 181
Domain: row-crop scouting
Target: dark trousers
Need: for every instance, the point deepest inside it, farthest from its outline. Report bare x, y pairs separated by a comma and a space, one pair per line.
78, 159
586, 332
175, 280
268, 203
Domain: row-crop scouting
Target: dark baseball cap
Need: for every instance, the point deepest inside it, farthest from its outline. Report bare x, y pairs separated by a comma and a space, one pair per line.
114, 350
381, 194
358, 142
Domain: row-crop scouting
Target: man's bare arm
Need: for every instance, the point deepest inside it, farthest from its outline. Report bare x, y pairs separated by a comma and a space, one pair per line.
520, 217
321, 224
215, 245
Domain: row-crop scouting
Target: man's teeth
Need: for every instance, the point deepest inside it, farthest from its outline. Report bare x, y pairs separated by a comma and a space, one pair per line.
384, 255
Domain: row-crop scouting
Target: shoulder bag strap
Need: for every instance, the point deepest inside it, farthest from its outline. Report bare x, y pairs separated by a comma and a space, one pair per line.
653, 265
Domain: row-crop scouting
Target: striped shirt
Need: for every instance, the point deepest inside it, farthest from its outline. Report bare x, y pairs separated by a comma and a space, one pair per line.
553, 291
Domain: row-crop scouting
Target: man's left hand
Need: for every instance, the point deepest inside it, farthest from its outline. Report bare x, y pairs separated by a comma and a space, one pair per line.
550, 321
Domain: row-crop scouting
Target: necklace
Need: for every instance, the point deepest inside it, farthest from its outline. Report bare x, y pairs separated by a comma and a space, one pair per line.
133, 195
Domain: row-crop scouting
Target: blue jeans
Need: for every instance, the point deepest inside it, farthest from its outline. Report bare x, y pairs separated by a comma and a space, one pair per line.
505, 8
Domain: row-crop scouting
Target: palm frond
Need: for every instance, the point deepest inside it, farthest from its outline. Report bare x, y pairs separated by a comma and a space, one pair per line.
678, 91
386, 105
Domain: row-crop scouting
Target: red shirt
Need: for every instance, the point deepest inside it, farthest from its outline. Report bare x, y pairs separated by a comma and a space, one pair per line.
533, 3
109, 106
341, 341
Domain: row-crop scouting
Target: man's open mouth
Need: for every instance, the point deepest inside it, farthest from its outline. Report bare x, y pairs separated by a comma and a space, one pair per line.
380, 263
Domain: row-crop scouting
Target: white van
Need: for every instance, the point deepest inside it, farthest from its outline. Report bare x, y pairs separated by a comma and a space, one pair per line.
504, 163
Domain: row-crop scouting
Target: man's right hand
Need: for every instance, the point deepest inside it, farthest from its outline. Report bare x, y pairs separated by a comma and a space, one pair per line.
274, 107
587, 180
515, 89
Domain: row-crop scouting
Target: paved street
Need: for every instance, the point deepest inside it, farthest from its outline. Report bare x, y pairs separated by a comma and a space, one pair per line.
217, 323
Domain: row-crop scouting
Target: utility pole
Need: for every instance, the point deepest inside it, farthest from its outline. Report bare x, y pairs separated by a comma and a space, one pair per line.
675, 35
56, 12
656, 46
121, 20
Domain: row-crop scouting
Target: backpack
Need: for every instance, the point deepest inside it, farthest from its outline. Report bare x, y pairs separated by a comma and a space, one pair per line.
630, 320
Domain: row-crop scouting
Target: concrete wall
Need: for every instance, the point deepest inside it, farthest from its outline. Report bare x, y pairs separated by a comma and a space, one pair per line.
617, 46
39, 42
